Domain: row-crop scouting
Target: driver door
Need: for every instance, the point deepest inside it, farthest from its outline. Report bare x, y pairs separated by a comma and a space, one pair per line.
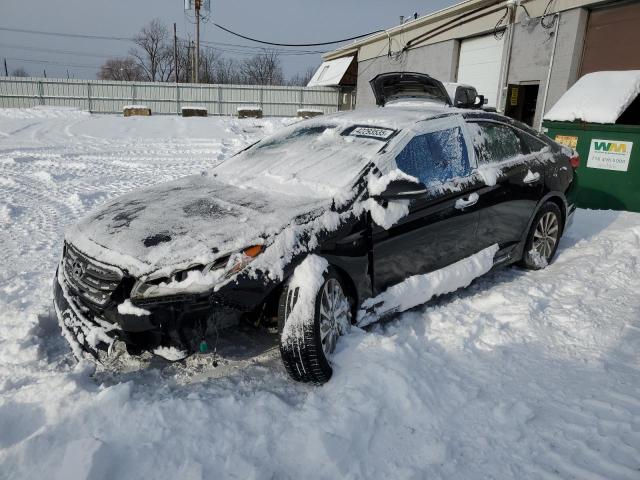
440, 228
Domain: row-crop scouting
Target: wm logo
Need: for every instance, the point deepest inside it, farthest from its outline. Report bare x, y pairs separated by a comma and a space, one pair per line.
610, 147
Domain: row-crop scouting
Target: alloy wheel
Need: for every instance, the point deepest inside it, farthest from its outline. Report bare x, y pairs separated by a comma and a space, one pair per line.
546, 234
335, 315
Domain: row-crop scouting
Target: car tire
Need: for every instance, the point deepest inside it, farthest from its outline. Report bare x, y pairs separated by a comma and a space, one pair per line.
543, 237
307, 356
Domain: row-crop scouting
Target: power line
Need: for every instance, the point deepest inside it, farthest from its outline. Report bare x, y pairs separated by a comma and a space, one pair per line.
306, 52
294, 44
52, 50
129, 39
252, 52
49, 62
69, 35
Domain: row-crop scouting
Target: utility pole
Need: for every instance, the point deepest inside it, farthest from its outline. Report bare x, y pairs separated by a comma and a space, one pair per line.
192, 61
197, 5
175, 52
6, 70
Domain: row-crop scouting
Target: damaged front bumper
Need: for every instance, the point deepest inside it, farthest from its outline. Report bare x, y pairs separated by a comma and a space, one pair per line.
89, 336
181, 323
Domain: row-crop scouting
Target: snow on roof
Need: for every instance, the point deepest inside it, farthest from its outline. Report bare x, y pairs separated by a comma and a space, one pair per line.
330, 73
599, 97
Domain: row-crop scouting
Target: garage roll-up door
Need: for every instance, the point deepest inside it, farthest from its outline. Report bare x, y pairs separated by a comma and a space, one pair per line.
613, 39
479, 65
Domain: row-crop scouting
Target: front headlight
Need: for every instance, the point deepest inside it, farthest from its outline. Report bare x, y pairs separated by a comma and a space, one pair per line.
196, 279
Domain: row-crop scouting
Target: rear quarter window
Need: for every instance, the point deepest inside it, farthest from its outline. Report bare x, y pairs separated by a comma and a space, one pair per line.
495, 142
531, 143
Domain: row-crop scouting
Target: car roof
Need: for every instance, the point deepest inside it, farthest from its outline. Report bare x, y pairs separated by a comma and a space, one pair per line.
397, 116
403, 114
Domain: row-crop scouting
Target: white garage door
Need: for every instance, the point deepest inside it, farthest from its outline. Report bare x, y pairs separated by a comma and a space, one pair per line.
479, 65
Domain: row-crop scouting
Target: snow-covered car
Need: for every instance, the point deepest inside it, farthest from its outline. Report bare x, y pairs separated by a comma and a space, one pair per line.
331, 222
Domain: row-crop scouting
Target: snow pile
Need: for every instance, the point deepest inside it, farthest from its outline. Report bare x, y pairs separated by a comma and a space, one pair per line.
170, 353
44, 112
306, 281
377, 185
128, 308
599, 97
520, 375
531, 177
419, 289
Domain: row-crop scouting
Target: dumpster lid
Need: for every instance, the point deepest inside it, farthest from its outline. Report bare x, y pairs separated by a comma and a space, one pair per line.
598, 97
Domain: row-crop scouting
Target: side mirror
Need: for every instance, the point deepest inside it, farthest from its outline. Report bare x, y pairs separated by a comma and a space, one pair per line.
480, 101
402, 189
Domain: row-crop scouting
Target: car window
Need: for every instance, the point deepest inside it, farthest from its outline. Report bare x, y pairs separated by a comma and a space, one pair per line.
495, 142
436, 156
532, 143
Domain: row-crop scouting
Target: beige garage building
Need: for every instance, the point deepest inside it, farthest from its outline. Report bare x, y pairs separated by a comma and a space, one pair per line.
522, 55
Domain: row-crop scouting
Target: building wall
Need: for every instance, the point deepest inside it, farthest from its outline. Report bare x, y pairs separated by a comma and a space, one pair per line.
531, 52
440, 60
530, 55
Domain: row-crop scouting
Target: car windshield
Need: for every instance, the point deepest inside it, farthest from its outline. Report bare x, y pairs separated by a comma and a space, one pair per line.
317, 159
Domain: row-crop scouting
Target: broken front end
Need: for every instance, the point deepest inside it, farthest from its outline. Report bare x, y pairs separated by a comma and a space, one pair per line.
98, 304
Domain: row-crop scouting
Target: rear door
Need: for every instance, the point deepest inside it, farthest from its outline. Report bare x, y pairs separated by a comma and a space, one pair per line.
514, 182
441, 225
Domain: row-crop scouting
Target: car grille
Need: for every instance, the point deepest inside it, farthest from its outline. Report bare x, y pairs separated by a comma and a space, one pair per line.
91, 280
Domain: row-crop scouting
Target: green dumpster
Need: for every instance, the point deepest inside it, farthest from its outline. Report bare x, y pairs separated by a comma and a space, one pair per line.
609, 172
593, 117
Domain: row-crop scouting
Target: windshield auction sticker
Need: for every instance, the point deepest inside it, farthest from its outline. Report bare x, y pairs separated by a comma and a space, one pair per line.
372, 132
609, 155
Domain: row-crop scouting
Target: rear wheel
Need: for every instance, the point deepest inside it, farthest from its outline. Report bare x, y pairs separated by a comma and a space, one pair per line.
307, 354
543, 238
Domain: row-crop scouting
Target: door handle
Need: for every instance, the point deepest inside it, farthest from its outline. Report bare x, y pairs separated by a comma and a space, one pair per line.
467, 201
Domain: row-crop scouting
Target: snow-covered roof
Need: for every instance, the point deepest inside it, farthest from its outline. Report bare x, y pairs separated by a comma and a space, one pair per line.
599, 97
330, 73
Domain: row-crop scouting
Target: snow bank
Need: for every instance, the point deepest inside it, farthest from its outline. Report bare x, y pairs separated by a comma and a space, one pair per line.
599, 97
520, 375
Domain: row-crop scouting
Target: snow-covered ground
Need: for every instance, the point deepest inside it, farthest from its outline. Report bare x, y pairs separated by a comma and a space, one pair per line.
521, 375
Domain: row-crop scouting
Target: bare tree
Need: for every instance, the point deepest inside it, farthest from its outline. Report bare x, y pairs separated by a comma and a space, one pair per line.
154, 53
263, 69
228, 71
20, 72
302, 79
209, 59
123, 69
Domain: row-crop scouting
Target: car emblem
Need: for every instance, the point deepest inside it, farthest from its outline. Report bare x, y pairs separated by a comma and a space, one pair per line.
78, 268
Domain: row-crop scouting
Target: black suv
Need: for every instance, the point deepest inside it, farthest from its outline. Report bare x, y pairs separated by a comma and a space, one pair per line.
310, 229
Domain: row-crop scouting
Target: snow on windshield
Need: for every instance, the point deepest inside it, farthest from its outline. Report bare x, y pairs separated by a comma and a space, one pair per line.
316, 158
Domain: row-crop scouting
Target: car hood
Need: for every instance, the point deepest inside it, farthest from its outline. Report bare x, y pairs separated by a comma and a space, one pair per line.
188, 221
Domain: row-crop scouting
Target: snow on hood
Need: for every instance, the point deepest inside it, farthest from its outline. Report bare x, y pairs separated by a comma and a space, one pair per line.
185, 222
246, 200
599, 97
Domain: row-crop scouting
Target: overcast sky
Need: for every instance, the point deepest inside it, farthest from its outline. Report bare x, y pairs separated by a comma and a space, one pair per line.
287, 21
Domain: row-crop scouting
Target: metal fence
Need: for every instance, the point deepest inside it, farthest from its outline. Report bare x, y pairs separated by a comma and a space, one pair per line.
101, 96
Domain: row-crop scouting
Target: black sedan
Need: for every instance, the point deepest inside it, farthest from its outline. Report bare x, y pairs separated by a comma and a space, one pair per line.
334, 221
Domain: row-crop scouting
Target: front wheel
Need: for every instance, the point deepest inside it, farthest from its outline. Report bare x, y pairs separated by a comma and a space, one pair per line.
543, 238
310, 332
